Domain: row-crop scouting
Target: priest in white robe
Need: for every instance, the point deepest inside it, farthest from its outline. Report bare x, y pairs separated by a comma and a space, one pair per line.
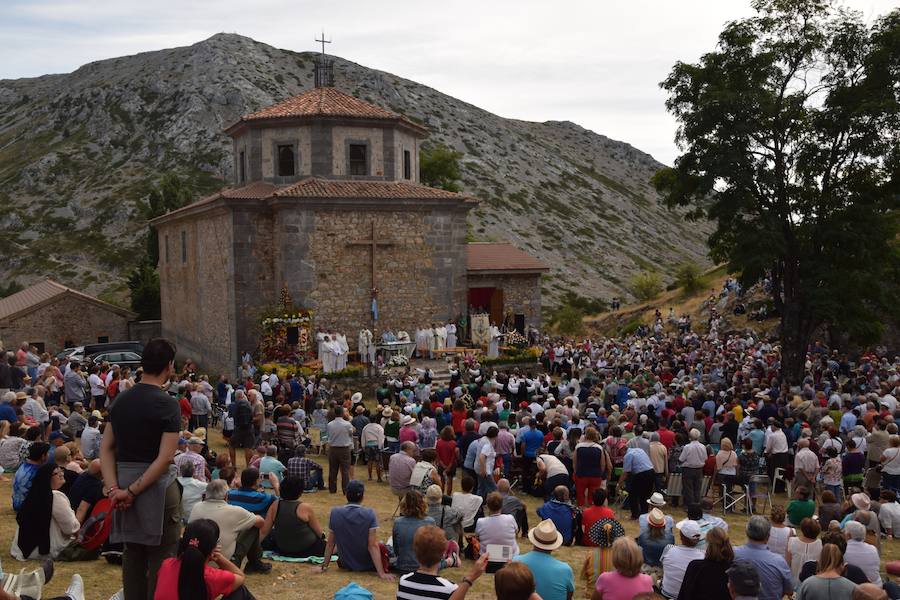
343, 350
494, 341
320, 345
441, 335
451, 335
329, 354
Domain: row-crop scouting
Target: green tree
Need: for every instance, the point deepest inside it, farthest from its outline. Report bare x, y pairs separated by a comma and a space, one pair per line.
646, 285
569, 319
143, 286
789, 135
690, 279
172, 192
439, 167
10, 288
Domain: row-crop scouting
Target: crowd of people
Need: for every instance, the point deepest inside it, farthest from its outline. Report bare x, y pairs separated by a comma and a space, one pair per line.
663, 426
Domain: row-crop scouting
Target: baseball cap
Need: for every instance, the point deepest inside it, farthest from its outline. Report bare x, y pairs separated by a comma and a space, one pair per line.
690, 530
57, 435
743, 578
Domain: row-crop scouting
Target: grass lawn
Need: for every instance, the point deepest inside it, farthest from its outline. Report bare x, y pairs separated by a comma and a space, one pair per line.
298, 581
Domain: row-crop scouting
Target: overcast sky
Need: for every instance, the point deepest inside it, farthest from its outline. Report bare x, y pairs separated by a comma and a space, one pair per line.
595, 62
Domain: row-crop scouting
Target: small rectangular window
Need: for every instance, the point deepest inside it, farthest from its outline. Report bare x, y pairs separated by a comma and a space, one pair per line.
68, 344
167, 249
358, 163
286, 161
243, 167
40, 347
183, 246
103, 339
407, 165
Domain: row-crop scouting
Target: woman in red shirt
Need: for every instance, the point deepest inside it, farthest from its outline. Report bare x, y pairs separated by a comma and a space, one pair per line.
458, 418
447, 458
188, 577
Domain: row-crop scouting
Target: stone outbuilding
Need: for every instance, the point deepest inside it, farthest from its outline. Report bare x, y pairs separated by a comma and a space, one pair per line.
326, 203
52, 316
505, 282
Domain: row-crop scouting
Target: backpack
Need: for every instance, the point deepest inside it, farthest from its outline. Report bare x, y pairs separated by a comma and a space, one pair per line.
97, 527
243, 414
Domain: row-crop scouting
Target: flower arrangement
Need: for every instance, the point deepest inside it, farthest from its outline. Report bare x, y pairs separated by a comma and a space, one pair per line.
295, 319
514, 338
398, 360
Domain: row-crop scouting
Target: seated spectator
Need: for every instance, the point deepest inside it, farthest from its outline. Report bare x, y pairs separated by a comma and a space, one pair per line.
192, 489
292, 528
37, 456
655, 539
515, 582
590, 515
86, 490
248, 495
704, 520
851, 572
446, 517
780, 533
603, 534
828, 582
270, 464
467, 503
743, 580
558, 510
306, 470
656, 500
675, 559
497, 529
513, 506
413, 514
626, 581
10, 445
801, 507
859, 553
804, 547
774, 574
239, 529
193, 456
189, 575
554, 579
829, 509
424, 473
46, 521
61, 456
353, 533
430, 547
708, 578
889, 513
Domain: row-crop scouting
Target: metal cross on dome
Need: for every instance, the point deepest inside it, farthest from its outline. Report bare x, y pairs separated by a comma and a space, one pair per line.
323, 41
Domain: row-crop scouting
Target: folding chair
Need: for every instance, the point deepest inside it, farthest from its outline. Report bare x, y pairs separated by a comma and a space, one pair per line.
315, 440
763, 490
777, 476
730, 498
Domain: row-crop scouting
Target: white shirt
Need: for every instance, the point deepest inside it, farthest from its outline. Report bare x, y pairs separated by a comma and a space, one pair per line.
693, 456
553, 464
776, 442
889, 515
497, 529
675, 560
192, 493
489, 453
467, 505
864, 556
97, 387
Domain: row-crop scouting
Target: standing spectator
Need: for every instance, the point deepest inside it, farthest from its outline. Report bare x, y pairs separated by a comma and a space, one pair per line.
553, 473
806, 466
692, 459
447, 458
852, 465
74, 384
200, 408
627, 581
530, 442
590, 465
774, 574
777, 456
726, 468
138, 446
554, 578
890, 461
353, 532
659, 456
372, 441
877, 442
98, 388
486, 462
805, 547
340, 441
638, 473
833, 474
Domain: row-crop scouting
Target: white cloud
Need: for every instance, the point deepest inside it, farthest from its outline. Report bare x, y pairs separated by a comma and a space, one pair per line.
595, 62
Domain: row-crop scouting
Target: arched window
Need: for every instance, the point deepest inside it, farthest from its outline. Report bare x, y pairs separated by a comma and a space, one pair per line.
286, 162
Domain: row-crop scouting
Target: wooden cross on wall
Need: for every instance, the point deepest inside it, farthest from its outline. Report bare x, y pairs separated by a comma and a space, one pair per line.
373, 245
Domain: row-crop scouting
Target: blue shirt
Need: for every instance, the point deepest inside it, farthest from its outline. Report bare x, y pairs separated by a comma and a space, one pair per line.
561, 515
471, 455
636, 461
270, 464
758, 436
533, 439
350, 525
296, 391
848, 422
774, 573
256, 502
22, 483
8, 413
553, 579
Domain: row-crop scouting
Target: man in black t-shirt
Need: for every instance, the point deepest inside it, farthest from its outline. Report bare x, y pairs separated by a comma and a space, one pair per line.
86, 490
136, 455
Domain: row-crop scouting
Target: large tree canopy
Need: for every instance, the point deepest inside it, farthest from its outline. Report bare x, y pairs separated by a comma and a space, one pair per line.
789, 138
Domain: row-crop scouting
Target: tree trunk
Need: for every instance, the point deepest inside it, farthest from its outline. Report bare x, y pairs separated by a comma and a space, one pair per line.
794, 341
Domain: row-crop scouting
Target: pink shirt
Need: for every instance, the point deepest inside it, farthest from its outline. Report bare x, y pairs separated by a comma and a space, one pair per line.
408, 434
615, 586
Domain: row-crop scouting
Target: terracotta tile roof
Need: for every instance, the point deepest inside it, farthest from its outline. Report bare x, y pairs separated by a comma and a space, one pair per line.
313, 187
252, 191
43, 292
325, 102
500, 257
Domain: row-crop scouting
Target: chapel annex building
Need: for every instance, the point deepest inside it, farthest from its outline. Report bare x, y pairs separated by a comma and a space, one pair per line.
326, 201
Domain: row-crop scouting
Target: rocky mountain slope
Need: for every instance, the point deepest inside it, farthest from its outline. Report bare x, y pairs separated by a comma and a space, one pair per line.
79, 151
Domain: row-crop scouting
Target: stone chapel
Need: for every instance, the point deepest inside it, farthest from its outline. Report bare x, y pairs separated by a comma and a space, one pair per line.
326, 201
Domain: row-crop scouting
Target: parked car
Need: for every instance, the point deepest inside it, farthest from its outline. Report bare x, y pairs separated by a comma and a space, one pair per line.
123, 358
92, 349
72, 354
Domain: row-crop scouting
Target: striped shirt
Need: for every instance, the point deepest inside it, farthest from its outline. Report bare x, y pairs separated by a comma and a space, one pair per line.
420, 586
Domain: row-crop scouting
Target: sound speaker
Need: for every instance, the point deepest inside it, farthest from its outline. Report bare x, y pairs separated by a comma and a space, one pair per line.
293, 335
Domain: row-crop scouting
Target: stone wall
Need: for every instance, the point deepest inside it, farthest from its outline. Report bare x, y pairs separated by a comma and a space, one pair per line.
405, 141
196, 293
255, 289
342, 137
521, 293
299, 137
67, 319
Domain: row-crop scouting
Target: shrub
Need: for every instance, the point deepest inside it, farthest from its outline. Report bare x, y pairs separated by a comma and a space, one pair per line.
690, 279
646, 285
569, 319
